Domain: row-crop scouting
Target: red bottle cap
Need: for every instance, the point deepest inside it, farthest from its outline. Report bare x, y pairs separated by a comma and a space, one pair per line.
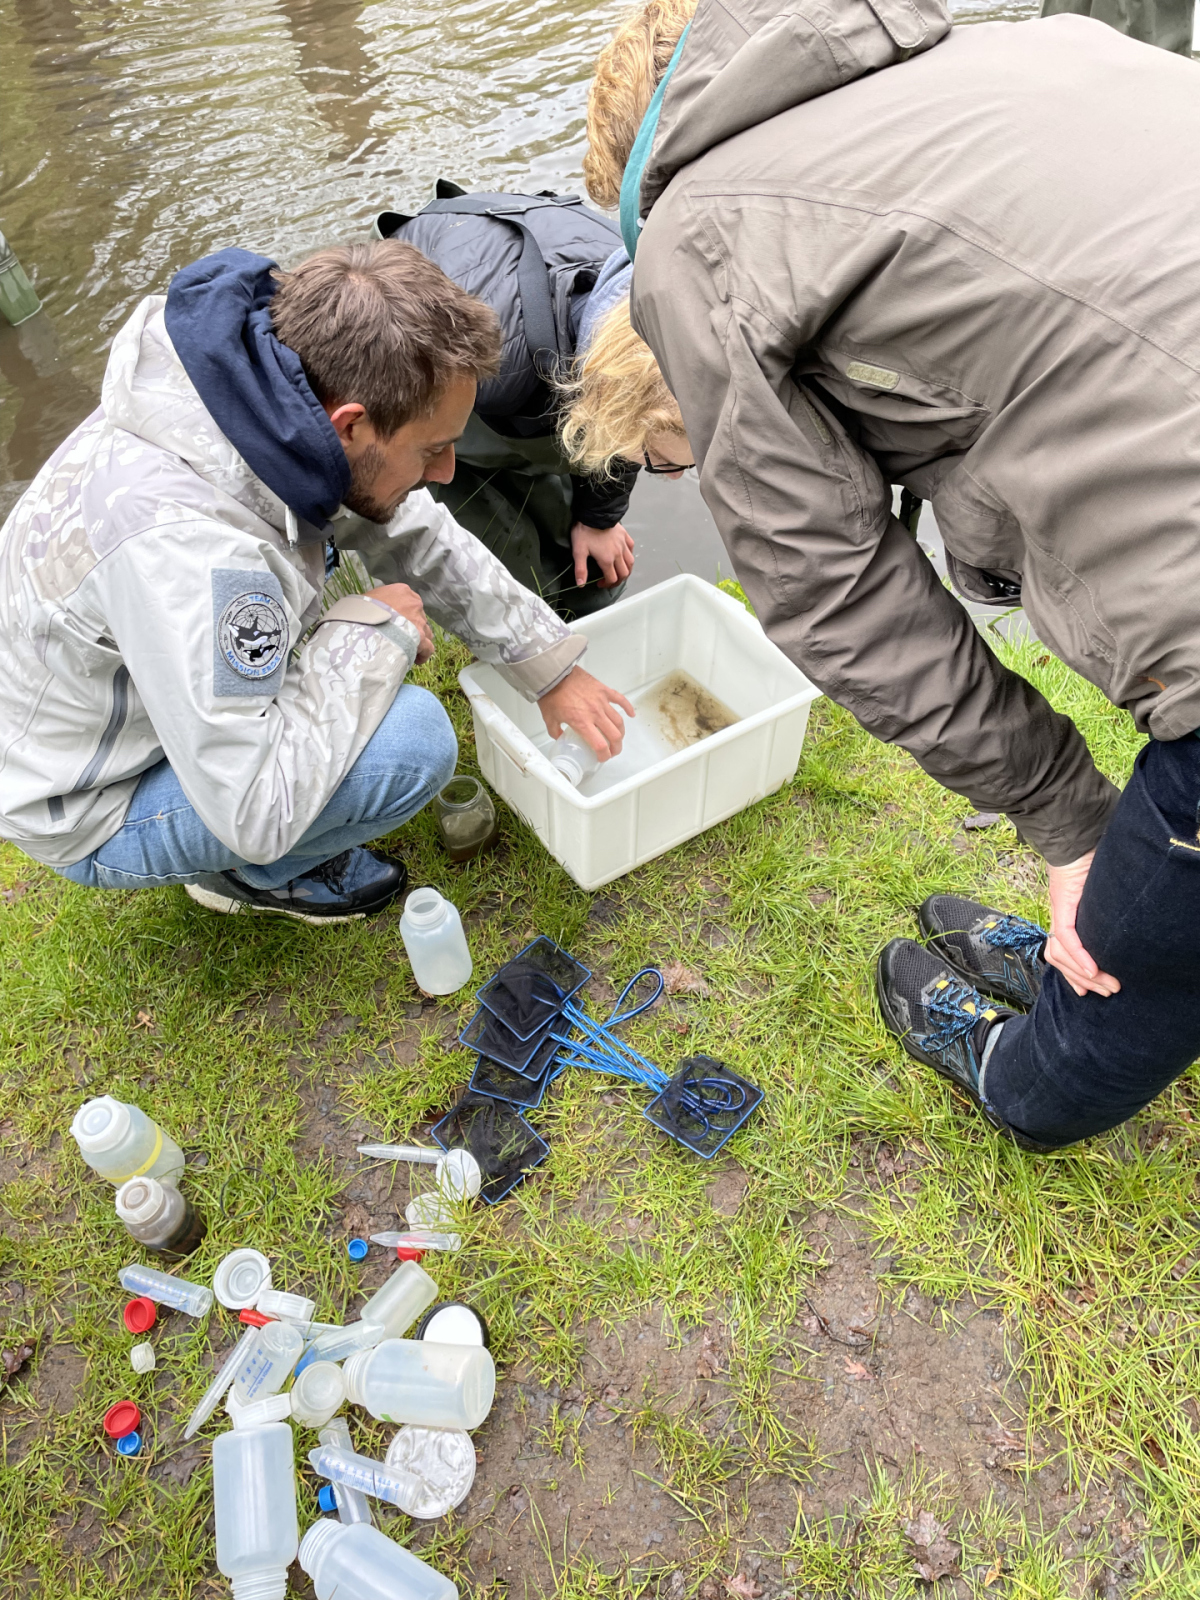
140, 1315
256, 1319
409, 1252
121, 1419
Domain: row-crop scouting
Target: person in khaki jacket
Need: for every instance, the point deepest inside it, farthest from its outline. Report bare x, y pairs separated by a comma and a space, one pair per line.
872, 250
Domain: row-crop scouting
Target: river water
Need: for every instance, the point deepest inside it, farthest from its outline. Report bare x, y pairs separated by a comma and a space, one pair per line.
139, 135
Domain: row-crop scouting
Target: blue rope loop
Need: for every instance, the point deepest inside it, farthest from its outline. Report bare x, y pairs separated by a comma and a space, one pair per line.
1026, 939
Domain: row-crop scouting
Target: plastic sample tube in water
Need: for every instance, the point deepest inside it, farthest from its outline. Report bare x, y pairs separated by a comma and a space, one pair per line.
393, 1484
361, 1563
193, 1298
226, 1373
254, 1497
275, 1351
352, 1504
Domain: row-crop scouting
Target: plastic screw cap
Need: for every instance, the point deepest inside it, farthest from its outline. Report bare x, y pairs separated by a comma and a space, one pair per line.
240, 1278
326, 1498
140, 1315
408, 1252
129, 1444
256, 1319
357, 1249
121, 1419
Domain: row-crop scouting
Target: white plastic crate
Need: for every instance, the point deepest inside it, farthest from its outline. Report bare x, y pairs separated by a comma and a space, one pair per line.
650, 797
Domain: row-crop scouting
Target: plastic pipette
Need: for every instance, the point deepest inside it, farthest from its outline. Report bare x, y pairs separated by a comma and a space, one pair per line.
418, 1241
458, 1174
227, 1373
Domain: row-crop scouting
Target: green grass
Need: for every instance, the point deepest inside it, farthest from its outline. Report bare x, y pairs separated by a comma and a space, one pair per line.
1091, 1254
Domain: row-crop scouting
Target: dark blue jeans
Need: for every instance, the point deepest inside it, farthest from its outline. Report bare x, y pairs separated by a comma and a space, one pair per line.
1078, 1066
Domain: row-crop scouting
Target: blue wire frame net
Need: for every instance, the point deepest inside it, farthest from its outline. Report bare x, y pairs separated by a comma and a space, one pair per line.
703, 1105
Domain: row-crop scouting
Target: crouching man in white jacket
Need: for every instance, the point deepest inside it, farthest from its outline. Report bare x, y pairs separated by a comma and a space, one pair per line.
174, 705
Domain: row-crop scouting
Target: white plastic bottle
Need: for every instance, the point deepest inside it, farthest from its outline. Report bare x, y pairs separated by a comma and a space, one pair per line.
354, 1561
397, 1304
120, 1141
435, 942
317, 1393
431, 1385
573, 757
159, 1217
268, 1367
254, 1493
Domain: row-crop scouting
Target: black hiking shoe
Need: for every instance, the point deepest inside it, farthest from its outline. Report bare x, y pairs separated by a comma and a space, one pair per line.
994, 952
357, 883
941, 1020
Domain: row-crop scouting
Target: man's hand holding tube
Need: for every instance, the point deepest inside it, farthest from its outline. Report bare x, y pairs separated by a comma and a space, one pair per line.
586, 705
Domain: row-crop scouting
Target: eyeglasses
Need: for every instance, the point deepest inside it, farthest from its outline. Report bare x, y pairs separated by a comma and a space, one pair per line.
667, 468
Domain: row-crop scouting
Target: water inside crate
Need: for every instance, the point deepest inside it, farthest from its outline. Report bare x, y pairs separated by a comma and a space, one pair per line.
672, 714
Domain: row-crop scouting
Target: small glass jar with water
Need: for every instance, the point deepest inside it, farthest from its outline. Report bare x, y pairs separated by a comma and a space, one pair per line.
466, 818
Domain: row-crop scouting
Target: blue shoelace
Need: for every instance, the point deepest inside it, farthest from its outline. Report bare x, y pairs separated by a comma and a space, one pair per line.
1014, 933
947, 1009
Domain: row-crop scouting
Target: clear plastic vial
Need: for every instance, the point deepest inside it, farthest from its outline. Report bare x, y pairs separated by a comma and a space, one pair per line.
573, 757
254, 1494
193, 1298
435, 942
417, 1381
120, 1141
357, 1562
158, 1216
397, 1304
352, 1504
269, 1364
396, 1485
336, 1344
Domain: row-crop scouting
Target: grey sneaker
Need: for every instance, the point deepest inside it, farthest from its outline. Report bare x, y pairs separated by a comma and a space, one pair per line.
356, 883
997, 953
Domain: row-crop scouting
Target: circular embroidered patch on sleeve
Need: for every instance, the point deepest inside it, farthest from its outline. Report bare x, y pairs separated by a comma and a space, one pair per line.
253, 635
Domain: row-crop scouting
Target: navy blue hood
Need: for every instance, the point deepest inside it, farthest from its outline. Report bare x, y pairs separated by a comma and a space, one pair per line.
254, 387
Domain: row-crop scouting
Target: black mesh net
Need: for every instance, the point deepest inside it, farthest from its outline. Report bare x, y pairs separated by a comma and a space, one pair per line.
499, 1138
502, 1083
703, 1105
533, 987
486, 1034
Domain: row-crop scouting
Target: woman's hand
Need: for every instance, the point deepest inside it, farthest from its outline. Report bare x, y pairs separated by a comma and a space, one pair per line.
1063, 947
587, 705
610, 548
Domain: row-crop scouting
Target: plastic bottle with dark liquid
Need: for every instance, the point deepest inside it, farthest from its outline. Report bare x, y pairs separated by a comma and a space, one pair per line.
158, 1216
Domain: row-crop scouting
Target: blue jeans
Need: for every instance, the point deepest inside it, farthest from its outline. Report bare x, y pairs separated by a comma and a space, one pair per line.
409, 758
1078, 1066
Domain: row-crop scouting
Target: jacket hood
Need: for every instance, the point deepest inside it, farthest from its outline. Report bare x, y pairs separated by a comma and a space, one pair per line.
254, 387
745, 61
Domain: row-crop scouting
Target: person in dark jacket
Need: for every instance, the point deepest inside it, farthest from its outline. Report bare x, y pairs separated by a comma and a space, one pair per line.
552, 270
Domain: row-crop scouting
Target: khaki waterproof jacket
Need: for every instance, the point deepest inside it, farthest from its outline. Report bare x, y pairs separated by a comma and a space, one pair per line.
881, 251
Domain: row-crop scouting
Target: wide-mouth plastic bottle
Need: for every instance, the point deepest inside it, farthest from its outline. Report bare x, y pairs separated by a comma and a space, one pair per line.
268, 1366
399, 1301
317, 1393
254, 1497
158, 1216
432, 1385
435, 942
120, 1141
354, 1561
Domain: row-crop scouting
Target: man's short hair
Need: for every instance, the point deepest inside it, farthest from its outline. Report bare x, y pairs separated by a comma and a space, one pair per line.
379, 324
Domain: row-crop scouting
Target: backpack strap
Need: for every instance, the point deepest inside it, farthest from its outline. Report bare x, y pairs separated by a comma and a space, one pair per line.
546, 350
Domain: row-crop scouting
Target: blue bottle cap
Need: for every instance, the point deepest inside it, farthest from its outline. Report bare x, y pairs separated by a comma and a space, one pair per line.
326, 1498
129, 1444
357, 1249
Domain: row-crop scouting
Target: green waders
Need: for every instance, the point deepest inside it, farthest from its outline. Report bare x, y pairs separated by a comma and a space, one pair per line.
1167, 23
515, 496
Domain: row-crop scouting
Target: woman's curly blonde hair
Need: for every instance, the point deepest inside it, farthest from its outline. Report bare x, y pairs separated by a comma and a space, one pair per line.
627, 73
615, 399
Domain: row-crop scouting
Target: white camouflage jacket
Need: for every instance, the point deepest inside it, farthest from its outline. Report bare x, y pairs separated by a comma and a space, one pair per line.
149, 605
